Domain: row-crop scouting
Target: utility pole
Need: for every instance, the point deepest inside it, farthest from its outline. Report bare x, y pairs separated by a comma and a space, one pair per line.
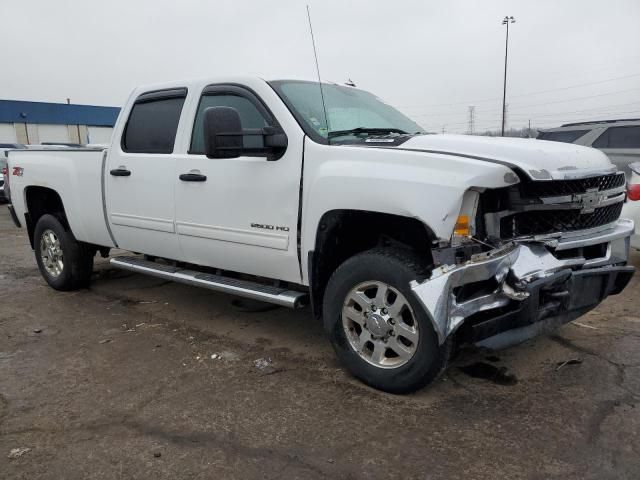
505, 118
472, 119
443, 128
505, 21
529, 131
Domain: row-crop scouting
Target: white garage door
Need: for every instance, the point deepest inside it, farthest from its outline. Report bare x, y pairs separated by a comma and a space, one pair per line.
100, 135
53, 133
7, 133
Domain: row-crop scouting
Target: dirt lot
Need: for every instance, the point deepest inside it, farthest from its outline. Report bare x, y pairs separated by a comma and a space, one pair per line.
119, 382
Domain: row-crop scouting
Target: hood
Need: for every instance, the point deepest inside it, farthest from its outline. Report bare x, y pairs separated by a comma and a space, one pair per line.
539, 159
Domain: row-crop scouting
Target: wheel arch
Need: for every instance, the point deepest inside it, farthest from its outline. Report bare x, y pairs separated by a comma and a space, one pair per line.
40, 201
340, 234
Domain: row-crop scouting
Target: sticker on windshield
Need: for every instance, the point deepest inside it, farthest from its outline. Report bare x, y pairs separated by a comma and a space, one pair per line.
379, 140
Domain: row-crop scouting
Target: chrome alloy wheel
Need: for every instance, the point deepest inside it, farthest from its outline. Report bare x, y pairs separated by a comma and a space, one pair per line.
380, 324
51, 253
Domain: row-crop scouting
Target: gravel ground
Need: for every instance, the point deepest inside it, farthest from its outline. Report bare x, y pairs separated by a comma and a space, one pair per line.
140, 378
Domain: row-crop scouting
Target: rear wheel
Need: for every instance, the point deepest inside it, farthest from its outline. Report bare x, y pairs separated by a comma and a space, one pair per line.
378, 327
64, 263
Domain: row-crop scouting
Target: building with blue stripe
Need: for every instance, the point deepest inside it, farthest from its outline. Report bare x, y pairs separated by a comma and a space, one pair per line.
42, 122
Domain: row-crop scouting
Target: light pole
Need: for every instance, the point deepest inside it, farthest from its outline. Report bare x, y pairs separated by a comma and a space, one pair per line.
505, 21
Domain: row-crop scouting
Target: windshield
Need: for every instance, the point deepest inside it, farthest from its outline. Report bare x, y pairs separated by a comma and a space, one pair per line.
352, 113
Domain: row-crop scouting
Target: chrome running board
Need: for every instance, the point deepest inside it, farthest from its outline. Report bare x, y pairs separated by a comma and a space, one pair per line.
218, 283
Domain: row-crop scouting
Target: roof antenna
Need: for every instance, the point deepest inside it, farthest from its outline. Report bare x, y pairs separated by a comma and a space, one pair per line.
315, 54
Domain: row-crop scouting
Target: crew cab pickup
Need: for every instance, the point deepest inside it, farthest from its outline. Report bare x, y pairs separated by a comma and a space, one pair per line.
298, 193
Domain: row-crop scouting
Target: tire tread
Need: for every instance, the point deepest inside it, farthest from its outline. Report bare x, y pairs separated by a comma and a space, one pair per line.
391, 259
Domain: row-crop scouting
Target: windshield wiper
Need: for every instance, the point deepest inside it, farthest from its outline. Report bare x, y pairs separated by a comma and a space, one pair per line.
365, 130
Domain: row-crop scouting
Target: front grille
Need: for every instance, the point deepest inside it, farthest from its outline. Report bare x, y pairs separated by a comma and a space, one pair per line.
556, 188
541, 222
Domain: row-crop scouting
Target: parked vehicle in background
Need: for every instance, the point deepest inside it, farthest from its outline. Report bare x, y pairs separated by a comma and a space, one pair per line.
631, 209
619, 139
405, 244
4, 148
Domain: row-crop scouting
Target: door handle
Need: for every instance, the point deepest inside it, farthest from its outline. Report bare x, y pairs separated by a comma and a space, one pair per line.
193, 177
121, 171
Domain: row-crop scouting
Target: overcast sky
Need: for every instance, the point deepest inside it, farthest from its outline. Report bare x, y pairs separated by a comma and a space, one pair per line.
570, 60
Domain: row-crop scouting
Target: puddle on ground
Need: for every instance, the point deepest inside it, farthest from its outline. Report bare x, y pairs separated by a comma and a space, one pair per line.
489, 372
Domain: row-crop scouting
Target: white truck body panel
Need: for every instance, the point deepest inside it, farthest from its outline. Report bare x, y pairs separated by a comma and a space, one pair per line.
389, 181
214, 218
539, 159
76, 175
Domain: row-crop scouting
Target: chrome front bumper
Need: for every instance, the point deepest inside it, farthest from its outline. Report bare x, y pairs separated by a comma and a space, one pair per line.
528, 280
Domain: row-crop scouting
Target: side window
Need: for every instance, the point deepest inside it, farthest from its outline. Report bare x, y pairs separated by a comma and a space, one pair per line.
153, 123
619, 137
250, 116
565, 136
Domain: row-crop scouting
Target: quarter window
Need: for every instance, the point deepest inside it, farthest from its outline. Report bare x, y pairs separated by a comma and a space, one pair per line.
250, 117
619, 137
565, 136
153, 123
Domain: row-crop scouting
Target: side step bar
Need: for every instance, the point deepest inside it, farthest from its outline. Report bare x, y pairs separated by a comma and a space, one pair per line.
219, 283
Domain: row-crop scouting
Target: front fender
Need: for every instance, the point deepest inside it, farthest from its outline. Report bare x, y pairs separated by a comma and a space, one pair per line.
426, 186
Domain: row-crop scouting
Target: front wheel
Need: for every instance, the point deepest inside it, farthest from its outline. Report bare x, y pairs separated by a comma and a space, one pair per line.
64, 263
378, 327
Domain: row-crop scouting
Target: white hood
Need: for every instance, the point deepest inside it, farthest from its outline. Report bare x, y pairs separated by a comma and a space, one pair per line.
540, 159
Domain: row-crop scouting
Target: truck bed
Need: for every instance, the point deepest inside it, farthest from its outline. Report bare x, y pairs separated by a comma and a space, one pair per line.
76, 174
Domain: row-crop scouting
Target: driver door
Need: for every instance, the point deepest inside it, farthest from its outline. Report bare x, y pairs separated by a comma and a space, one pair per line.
239, 214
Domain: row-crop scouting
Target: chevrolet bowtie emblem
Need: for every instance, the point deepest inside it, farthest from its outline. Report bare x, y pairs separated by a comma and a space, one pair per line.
590, 200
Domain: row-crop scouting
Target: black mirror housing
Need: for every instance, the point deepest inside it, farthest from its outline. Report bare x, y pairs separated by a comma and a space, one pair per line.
223, 134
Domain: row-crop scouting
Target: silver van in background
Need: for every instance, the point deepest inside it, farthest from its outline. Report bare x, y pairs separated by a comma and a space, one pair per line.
619, 139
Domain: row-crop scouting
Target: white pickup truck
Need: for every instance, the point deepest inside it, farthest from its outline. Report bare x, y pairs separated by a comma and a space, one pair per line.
404, 243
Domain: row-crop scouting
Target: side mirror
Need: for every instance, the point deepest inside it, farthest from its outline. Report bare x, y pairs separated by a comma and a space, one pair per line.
275, 142
223, 135
635, 167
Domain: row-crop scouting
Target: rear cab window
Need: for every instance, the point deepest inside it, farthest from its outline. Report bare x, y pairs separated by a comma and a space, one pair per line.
153, 122
619, 137
564, 136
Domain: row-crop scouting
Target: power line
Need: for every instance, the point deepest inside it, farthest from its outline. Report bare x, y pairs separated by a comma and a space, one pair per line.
524, 94
494, 111
579, 98
606, 107
530, 105
558, 119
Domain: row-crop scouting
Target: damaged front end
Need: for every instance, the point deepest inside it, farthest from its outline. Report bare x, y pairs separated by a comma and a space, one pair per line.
526, 285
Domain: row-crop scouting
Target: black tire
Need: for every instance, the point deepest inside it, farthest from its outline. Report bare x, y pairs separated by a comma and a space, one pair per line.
397, 268
77, 257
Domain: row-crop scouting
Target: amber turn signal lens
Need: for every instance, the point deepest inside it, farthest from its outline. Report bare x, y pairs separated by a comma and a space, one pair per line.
462, 226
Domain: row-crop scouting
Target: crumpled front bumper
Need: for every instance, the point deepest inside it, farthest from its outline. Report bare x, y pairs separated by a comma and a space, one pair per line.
527, 286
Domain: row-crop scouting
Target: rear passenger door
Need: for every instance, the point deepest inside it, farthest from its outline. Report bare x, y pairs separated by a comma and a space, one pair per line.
139, 177
622, 146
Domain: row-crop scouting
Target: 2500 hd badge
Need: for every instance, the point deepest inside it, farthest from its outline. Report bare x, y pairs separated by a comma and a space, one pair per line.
270, 227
